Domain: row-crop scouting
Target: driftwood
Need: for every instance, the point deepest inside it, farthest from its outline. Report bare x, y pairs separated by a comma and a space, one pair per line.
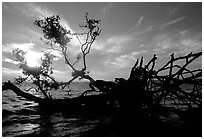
59, 104
145, 88
19, 92
172, 86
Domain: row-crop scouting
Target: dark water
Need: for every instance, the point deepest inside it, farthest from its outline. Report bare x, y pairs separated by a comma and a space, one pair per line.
23, 118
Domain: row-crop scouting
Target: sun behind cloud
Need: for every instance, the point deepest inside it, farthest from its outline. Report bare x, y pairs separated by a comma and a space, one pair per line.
33, 59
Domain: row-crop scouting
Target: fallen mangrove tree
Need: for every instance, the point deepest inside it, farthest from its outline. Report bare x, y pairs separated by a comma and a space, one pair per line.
147, 90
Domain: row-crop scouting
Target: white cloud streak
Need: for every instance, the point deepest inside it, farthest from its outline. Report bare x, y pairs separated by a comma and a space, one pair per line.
8, 48
31, 10
123, 61
173, 10
169, 43
10, 61
147, 29
172, 22
56, 53
138, 23
107, 8
39, 12
8, 71
114, 44
30, 53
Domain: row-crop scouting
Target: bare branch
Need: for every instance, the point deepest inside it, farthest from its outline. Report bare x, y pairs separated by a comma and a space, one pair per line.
67, 83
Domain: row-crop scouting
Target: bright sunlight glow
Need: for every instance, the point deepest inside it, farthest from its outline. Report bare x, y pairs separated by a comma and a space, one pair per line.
33, 59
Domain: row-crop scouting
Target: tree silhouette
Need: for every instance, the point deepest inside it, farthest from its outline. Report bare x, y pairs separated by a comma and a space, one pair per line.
58, 37
39, 76
146, 91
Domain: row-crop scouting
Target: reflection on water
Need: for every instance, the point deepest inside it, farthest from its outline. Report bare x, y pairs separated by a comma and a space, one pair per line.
20, 129
22, 118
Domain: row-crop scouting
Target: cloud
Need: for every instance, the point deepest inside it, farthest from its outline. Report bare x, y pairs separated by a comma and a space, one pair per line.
147, 29
138, 23
107, 8
177, 43
44, 12
124, 61
31, 10
172, 10
30, 34
28, 47
172, 22
119, 62
59, 72
28, 9
61, 75
183, 33
22, 34
32, 57
10, 61
41, 12
56, 53
97, 73
117, 43
114, 44
7, 71
135, 54
190, 45
8, 48
163, 41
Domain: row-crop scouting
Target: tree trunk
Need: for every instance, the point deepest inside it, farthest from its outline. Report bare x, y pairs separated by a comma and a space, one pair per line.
19, 92
78, 102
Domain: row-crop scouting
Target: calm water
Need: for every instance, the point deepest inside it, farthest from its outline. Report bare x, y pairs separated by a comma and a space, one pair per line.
22, 118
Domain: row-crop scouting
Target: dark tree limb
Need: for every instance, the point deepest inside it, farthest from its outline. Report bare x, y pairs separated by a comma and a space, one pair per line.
57, 104
19, 92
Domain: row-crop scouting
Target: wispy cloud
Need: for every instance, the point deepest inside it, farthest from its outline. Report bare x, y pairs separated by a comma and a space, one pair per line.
114, 44
107, 8
119, 62
98, 74
30, 52
59, 72
4, 59
124, 61
138, 23
10, 74
44, 12
190, 45
176, 43
147, 29
8, 48
8, 71
32, 10
163, 41
56, 53
35, 11
41, 12
173, 9
172, 22
61, 75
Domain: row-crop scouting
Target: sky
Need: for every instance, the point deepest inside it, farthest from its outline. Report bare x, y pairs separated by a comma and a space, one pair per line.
130, 30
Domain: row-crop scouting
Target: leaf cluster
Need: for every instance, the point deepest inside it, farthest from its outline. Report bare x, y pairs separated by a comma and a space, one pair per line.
92, 25
53, 30
39, 76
